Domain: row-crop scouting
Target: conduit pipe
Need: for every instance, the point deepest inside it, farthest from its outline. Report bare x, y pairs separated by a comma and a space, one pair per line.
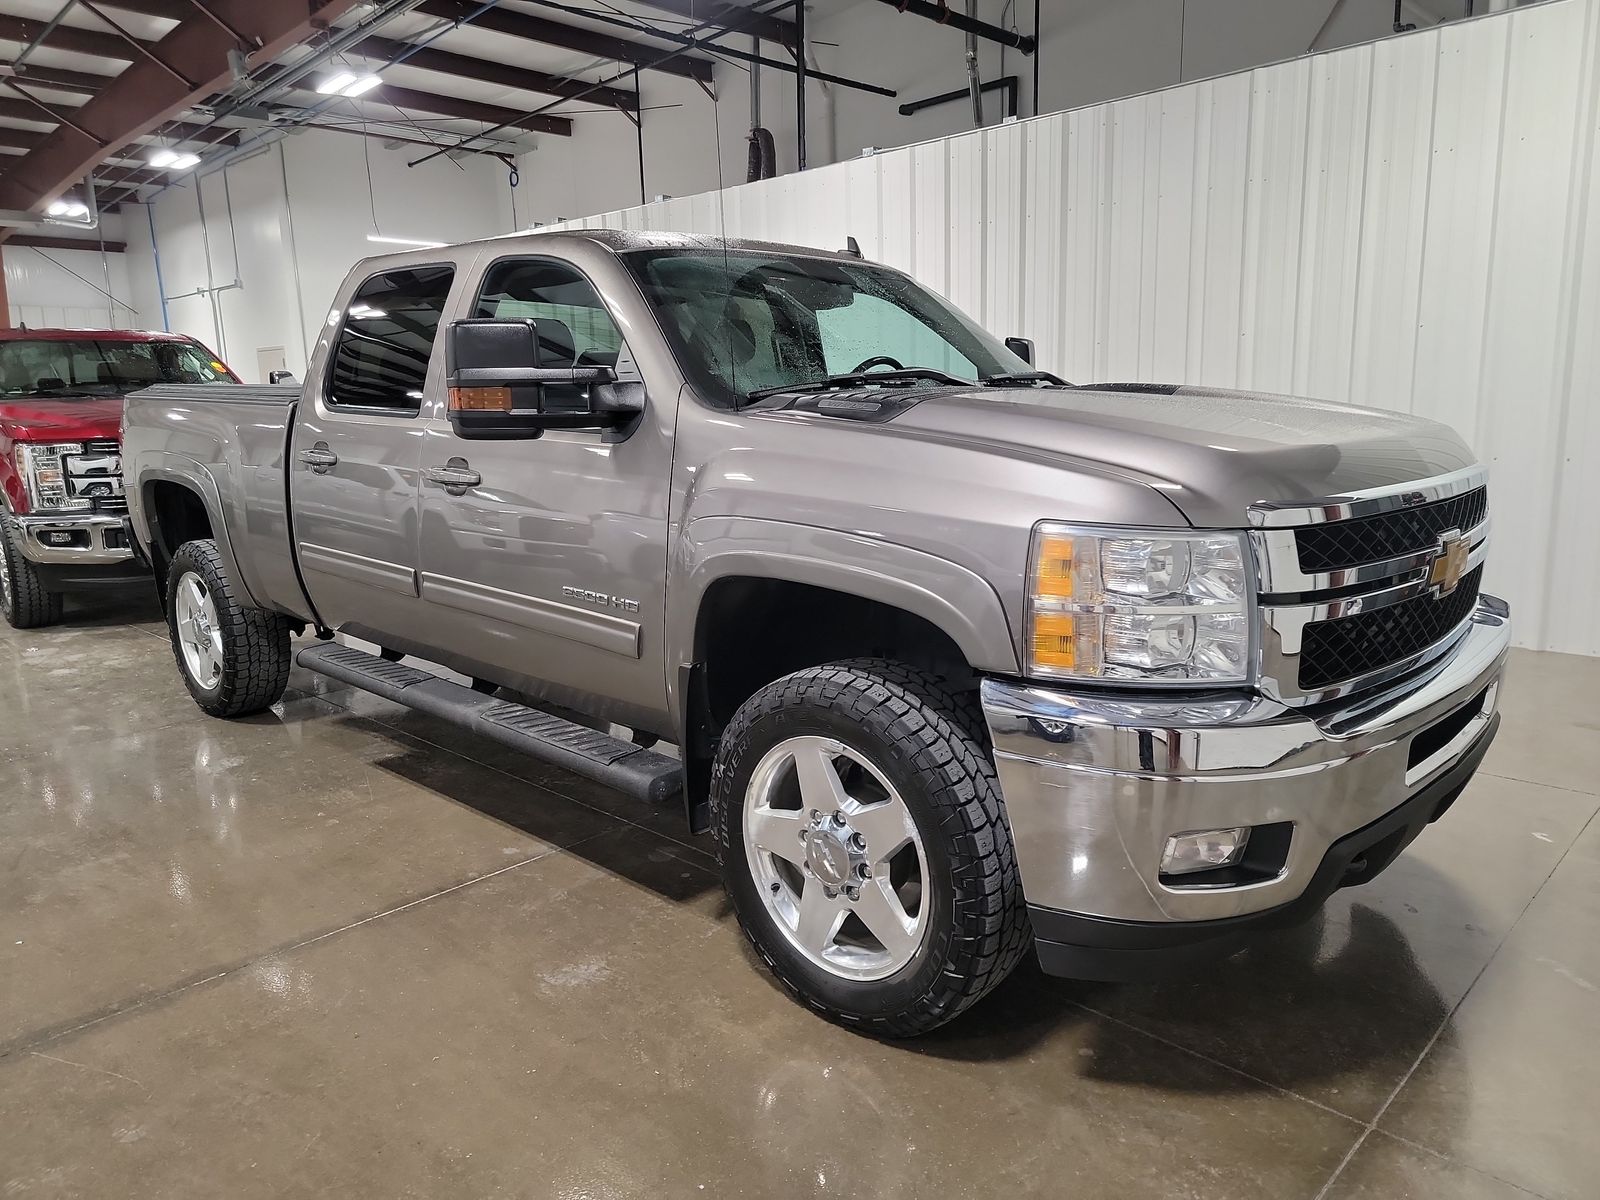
966, 24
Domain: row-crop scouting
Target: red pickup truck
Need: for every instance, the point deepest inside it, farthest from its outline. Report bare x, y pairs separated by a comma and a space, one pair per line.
61, 393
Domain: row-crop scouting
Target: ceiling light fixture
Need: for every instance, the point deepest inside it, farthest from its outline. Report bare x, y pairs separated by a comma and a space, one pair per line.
183, 162
67, 208
163, 156
336, 83
364, 84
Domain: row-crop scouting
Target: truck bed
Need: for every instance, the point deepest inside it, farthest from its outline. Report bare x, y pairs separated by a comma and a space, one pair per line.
228, 444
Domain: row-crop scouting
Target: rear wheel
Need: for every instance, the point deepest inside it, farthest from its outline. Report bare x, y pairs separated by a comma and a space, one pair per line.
233, 659
23, 599
864, 844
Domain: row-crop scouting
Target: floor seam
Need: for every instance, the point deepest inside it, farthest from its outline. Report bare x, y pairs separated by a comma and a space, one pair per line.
1215, 1062
1445, 1024
1558, 787
1456, 1162
29, 1043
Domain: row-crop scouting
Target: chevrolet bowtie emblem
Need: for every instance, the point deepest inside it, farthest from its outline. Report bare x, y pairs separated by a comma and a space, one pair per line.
1450, 560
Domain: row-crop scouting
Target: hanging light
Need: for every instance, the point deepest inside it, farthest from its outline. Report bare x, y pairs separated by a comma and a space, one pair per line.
183, 162
162, 156
348, 83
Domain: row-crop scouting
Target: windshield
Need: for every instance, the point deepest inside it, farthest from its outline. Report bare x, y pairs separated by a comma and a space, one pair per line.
90, 367
746, 321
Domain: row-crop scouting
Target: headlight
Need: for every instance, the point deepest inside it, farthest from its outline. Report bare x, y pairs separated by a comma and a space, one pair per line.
1131, 604
40, 466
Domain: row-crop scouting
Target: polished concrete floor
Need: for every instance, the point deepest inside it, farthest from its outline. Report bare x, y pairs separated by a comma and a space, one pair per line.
341, 950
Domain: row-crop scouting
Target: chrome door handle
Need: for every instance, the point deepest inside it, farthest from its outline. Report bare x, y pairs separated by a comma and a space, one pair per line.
319, 458
455, 476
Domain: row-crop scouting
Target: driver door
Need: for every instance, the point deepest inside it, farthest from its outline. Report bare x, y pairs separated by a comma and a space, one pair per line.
548, 575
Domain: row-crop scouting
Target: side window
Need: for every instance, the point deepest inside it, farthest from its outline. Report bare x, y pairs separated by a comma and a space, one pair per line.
870, 326
381, 357
574, 328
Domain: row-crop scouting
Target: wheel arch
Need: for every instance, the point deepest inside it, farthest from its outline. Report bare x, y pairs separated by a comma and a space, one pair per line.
177, 506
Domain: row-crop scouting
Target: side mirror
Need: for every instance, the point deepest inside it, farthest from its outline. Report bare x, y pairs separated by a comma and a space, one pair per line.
1022, 348
499, 387
281, 377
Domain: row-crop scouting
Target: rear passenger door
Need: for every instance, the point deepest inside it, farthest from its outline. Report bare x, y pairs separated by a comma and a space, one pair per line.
357, 446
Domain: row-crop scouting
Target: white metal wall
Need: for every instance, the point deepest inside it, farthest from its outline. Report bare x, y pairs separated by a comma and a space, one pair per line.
65, 289
1411, 224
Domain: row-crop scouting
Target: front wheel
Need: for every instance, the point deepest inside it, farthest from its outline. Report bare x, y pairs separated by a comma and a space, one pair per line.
24, 602
864, 845
233, 659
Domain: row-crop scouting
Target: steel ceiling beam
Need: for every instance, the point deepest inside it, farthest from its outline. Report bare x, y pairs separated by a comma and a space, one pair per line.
173, 10
82, 82
466, 110
718, 12
138, 101
570, 37
525, 79
67, 37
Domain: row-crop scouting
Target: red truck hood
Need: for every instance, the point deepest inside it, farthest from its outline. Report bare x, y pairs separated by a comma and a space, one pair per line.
74, 420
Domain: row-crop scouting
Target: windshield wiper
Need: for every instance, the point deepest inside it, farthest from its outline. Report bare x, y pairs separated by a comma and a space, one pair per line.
1022, 379
860, 379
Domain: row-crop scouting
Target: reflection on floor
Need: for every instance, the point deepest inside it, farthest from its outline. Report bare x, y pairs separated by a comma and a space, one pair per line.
338, 949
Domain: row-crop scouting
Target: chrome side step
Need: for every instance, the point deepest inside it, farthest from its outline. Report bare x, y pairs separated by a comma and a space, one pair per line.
633, 770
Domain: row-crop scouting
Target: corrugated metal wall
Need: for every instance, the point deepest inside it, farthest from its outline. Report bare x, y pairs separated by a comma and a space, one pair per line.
62, 289
1411, 224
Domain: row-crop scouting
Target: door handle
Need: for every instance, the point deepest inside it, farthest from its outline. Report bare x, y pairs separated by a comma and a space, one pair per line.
455, 476
319, 458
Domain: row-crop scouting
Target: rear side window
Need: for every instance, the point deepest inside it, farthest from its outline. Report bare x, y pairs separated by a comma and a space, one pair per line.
381, 358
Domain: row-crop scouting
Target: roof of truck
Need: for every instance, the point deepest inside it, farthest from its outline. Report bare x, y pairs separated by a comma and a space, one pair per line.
624, 240
103, 335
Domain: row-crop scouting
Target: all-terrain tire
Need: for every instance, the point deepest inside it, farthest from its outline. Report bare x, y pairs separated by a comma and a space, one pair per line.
928, 739
24, 602
255, 643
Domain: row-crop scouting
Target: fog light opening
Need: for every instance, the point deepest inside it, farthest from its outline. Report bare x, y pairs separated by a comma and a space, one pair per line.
1204, 850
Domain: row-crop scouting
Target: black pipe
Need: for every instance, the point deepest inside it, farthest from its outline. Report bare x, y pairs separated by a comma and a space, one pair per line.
1036, 58
638, 126
966, 24
1009, 83
1399, 25
800, 83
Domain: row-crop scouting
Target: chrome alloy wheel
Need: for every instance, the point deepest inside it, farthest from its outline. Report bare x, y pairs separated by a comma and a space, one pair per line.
199, 632
836, 858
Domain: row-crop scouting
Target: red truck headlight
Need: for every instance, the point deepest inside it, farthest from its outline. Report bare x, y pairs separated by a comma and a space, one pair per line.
39, 464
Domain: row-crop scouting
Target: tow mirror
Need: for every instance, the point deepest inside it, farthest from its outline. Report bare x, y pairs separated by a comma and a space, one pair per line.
500, 387
1022, 348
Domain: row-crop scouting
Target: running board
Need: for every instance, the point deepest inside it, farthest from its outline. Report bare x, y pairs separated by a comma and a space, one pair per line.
633, 770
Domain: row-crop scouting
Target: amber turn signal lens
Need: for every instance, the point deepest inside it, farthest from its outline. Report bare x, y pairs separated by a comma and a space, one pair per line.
1054, 640
1053, 570
480, 399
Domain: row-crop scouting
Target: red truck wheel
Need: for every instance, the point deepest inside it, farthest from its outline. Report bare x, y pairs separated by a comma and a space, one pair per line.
23, 599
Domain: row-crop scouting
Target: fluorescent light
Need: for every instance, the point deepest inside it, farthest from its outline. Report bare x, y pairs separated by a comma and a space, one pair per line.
399, 241
58, 208
163, 156
183, 162
364, 84
77, 209
336, 83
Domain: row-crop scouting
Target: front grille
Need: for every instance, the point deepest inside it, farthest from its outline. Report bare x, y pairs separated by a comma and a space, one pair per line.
1342, 544
109, 504
1347, 647
102, 446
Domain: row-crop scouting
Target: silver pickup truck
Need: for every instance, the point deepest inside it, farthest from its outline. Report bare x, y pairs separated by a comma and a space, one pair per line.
957, 658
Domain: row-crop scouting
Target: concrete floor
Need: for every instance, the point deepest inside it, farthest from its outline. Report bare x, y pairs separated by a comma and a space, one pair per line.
341, 950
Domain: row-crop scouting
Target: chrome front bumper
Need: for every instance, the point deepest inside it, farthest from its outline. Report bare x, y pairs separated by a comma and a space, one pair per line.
1094, 784
99, 538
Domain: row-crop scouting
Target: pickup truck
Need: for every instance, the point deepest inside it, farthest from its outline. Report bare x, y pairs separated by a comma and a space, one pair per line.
63, 528
958, 659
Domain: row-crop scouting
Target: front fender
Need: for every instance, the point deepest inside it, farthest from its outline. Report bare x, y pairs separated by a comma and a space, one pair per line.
197, 478
955, 600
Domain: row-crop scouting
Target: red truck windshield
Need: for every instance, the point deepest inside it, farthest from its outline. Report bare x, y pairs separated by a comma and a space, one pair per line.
90, 367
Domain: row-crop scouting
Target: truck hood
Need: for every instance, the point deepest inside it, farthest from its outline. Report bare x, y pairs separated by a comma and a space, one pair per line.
1212, 453
74, 420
